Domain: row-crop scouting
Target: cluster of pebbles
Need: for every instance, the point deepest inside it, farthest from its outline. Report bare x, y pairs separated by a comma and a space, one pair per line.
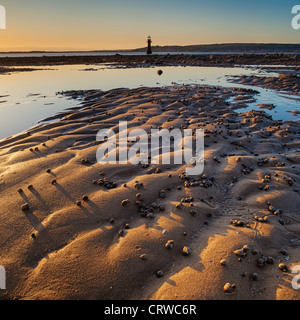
260, 262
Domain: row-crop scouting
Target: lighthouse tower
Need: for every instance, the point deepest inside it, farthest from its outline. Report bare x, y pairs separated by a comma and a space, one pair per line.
149, 41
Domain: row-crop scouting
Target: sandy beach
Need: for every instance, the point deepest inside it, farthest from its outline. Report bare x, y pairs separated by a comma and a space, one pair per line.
74, 229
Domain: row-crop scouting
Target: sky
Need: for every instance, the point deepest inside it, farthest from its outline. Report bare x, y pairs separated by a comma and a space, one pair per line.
126, 24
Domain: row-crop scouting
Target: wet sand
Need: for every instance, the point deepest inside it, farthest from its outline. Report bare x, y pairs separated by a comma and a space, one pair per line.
284, 82
74, 229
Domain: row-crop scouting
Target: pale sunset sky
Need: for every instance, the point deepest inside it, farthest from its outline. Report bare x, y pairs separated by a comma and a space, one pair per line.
125, 24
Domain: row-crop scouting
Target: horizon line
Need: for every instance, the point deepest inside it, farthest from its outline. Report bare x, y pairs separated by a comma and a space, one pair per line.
141, 48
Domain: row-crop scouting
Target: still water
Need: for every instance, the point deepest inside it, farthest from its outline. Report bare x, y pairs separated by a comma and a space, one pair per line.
28, 97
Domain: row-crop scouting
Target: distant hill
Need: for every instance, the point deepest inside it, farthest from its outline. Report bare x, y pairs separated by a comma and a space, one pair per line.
203, 48
228, 47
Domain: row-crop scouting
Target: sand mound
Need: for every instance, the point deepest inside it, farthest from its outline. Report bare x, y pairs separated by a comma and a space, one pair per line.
58, 248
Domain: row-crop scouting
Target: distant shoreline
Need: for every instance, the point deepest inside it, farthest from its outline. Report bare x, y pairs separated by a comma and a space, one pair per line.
206, 48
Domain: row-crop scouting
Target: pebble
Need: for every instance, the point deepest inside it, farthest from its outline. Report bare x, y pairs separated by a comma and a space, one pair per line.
194, 212
223, 262
162, 194
85, 161
25, 207
270, 260
240, 253
138, 185
108, 184
161, 207
229, 288
237, 223
85, 198
159, 273
169, 244
186, 251
284, 252
283, 267
254, 276
124, 203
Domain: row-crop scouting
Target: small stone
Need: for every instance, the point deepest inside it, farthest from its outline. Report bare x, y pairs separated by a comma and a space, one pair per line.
54, 182
229, 288
169, 244
124, 203
162, 193
284, 252
150, 215
143, 257
194, 212
30, 187
78, 203
270, 260
85, 198
254, 276
261, 262
283, 267
25, 207
154, 205
223, 262
159, 273
161, 207
186, 251
178, 205
239, 253
245, 248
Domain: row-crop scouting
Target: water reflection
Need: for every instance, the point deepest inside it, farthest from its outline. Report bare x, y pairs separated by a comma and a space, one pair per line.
27, 97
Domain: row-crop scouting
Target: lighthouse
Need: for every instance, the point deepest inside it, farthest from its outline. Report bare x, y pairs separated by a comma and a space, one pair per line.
149, 41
